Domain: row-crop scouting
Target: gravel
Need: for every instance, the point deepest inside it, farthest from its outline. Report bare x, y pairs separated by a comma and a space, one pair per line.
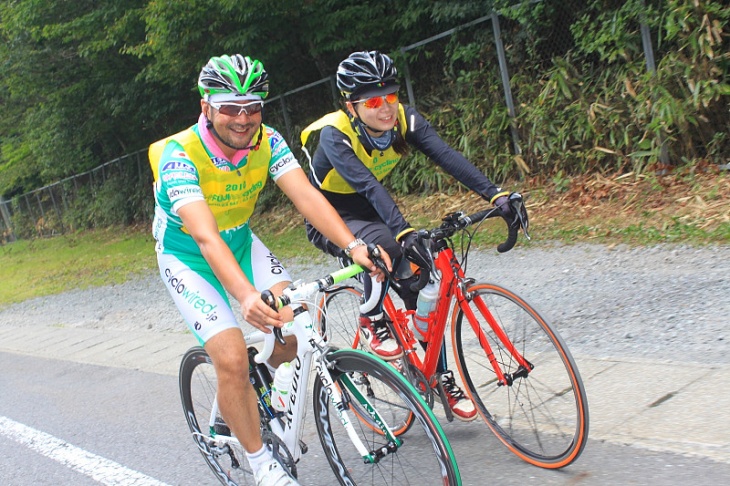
664, 302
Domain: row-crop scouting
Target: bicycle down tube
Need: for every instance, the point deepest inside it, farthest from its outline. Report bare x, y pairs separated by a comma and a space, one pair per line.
310, 346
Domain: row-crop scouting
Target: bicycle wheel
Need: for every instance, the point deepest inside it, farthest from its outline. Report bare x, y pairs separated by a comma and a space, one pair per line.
338, 323
198, 385
542, 417
390, 394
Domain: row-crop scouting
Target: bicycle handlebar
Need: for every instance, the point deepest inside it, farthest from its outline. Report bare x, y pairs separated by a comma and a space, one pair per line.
451, 223
457, 221
299, 292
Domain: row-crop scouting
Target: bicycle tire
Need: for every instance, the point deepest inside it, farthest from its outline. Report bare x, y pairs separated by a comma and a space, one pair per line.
543, 417
338, 321
339, 325
198, 385
411, 463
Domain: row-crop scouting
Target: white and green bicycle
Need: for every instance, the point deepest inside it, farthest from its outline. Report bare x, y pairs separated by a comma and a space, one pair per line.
358, 401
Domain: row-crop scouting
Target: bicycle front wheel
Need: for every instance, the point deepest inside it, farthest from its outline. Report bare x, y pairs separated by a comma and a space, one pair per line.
541, 415
198, 385
357, 373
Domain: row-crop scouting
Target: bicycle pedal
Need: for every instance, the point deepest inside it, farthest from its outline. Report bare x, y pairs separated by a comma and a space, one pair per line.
209, 445
397, 364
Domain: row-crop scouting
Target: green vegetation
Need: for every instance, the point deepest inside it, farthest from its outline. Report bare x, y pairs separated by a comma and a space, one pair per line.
76, 95
33, 268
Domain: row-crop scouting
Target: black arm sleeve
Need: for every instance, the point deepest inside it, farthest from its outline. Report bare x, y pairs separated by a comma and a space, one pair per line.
423, 136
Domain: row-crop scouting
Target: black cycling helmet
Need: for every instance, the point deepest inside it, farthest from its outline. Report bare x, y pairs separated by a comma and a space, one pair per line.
235, 77
365, 74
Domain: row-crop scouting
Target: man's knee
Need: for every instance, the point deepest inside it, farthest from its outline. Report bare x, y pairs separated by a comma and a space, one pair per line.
227, 350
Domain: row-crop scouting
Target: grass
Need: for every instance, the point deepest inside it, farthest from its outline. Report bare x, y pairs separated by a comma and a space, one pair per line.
693, 210
34, 268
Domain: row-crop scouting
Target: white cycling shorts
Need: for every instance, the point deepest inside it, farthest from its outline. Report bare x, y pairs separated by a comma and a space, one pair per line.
201, 298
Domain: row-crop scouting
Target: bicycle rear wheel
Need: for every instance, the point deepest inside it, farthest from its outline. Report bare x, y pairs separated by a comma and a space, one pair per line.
542, 417
198, 385
390, 394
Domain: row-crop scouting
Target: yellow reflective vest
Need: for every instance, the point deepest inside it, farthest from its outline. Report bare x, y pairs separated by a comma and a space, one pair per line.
231, 195
379, 163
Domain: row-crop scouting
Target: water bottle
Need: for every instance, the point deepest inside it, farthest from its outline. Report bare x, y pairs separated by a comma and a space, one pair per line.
425, 305
282, 386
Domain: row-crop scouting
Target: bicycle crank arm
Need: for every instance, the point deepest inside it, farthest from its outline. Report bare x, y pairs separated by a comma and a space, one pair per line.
444, 401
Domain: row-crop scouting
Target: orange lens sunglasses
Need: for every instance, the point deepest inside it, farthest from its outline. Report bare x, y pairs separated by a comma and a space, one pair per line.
377, 101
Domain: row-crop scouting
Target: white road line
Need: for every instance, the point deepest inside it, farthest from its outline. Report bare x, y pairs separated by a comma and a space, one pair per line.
96, 467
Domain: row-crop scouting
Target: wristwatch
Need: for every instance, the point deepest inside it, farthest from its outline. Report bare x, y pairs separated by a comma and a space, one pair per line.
353, 244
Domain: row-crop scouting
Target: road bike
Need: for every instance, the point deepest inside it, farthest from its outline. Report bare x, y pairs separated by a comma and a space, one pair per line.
514, 365
346, 384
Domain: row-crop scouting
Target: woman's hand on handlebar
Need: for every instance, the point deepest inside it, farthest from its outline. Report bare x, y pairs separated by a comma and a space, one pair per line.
360, 256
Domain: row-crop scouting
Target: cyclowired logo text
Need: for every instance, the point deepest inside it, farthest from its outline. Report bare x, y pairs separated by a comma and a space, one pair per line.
182, 191
193, 298
276, 267
282, 163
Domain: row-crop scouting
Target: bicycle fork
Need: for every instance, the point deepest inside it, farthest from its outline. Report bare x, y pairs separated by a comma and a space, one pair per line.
503, 379
341, 401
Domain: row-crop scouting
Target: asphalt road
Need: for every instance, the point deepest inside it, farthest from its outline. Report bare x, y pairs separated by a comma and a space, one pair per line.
64, 422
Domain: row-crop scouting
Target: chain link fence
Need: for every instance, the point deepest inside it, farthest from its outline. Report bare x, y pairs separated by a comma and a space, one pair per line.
87, 200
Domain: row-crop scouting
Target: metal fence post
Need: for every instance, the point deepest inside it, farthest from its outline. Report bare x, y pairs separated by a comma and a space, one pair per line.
407, 75
55, 208
651, 67
6, 219
505, 81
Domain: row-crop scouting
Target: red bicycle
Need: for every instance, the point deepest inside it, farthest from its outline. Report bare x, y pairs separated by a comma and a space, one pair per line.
513, 364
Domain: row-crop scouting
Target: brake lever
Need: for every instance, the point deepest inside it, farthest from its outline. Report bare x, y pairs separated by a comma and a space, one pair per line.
270, 300
517, 204
424, 238
376, 257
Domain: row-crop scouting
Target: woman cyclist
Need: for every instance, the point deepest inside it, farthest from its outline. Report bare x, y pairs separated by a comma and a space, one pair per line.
359, 146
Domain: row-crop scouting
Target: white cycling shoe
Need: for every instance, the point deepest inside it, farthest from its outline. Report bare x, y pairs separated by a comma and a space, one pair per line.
272, 473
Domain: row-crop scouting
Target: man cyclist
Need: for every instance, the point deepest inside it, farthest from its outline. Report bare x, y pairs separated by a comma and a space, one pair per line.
207, 180
359, 146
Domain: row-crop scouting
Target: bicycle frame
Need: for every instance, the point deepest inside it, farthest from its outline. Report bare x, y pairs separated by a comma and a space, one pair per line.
542, 419
311, 348
453, 287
